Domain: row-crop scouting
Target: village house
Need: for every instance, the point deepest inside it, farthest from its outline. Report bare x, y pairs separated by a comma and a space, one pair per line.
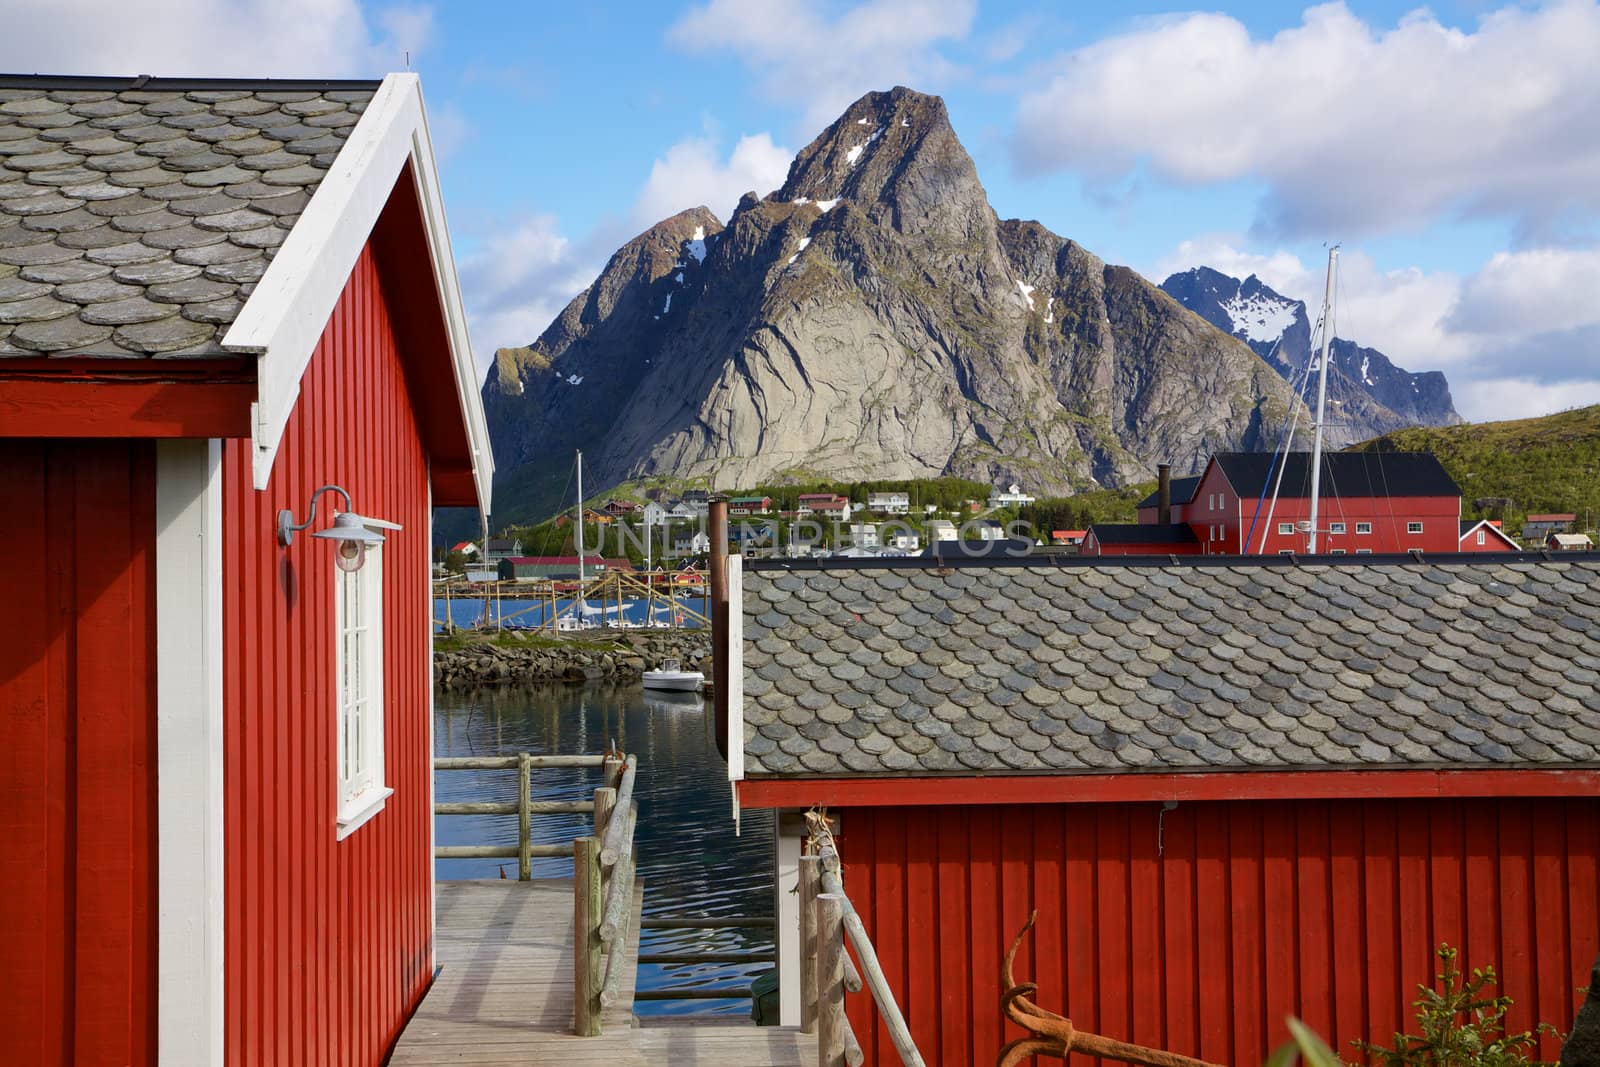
942, 530
1234, 790
687, 510
237, 381
496, 549
466, 548
863, 535
621, 509
1535, 528
834, 509
1569, 542
900, 538
1372, 503
1067, 537
1011, 496
749, 505
889, 503
691, 543
653, 514
806, 504
1485, 535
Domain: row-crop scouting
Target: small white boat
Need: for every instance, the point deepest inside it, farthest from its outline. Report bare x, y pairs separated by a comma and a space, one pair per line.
669, 676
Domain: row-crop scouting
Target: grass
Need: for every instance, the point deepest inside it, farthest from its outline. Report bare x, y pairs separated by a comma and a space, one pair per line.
461, 640
1545, 464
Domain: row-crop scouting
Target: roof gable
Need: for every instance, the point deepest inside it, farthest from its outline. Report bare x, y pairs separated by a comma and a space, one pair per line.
1481, 661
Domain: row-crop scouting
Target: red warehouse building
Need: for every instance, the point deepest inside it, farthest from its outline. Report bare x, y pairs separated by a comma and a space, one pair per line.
1234, 791
1372, 503
219, 299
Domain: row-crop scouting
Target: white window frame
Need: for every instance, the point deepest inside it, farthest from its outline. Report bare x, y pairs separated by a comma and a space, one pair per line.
1336, 552
1480, 535
360, 792
1413, 527
1285, 528
1336, 527
1363, 528
1285, 551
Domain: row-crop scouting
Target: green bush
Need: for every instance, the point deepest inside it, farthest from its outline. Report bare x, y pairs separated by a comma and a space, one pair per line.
1461, 1024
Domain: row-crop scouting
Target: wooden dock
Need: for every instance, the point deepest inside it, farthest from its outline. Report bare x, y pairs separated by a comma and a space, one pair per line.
505, 994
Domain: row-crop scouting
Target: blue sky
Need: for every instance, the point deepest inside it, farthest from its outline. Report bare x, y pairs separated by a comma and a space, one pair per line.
1454, 151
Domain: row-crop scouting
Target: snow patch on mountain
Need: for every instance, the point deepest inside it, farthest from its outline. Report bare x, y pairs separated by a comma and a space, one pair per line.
1260, 317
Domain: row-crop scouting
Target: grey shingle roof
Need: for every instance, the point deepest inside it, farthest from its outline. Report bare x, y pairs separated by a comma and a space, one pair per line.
1131, 666
136, 215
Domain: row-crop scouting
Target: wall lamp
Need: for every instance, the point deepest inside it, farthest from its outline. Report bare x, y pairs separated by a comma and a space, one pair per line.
349, 530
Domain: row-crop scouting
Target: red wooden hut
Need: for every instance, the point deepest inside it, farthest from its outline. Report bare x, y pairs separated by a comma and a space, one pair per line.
219, 296
1372, 503
1233, 791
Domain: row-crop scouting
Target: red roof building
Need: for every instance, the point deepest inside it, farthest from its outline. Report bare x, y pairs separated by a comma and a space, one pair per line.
1233, 790
219, 832
1485, 535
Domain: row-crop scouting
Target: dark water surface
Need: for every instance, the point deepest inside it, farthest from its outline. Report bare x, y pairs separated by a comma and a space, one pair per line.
689, 860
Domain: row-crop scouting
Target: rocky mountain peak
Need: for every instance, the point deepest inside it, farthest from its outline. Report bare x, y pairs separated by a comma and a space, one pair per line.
872, 319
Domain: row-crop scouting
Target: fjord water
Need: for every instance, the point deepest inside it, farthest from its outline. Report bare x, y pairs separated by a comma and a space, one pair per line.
689, 859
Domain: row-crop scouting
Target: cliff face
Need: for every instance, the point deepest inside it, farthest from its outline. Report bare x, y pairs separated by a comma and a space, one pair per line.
1367, 394
871, 319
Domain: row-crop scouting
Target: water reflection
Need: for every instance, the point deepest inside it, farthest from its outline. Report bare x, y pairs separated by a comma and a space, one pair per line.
689, 859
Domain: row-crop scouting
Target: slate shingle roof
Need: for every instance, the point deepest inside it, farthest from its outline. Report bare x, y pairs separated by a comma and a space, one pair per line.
136, 215
1182, 490
987, 668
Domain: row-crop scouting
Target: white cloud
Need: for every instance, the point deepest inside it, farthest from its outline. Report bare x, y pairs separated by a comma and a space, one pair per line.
1351, 128
690, 174
517, 280
233, 38
1520, 336
822, 64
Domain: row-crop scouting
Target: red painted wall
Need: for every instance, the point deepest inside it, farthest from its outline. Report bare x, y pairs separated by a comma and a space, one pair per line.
77, 741
1491, 541
1199, 930
328, 943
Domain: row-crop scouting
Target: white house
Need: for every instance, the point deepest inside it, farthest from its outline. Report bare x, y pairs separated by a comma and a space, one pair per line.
691, 543
889, 503
653, 514
942, 530
863, 535
897, 536
688, 509
1011, 496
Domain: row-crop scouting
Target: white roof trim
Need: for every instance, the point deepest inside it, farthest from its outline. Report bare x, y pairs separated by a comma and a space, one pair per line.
284, 318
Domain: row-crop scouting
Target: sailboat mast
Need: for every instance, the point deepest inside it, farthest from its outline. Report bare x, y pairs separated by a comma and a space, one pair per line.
580, 524
1322, 401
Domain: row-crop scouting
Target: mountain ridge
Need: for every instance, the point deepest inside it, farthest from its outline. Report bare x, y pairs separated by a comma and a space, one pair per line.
872, 318
1370, 394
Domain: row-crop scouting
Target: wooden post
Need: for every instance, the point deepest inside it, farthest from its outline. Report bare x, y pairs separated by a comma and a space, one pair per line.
605, 798
613, 772
586, 973
830, 980
809, 877
524, 821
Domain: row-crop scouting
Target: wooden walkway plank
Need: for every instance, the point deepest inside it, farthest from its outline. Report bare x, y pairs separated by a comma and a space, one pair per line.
505, 994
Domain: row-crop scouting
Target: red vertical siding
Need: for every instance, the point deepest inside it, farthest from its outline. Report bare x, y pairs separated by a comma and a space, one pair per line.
1200, 929
328, 942
77, 738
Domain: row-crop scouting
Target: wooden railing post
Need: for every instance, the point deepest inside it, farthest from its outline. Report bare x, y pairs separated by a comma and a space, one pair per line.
605, 799
810, 876
524, 820
586, 973
836, 1044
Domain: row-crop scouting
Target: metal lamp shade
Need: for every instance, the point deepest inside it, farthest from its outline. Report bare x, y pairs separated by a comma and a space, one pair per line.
348, 526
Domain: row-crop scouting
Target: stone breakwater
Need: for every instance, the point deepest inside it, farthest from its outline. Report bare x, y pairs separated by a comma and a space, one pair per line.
592, 655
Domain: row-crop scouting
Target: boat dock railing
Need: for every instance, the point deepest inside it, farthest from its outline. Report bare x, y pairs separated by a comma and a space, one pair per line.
524, 807
827, 921
602, 894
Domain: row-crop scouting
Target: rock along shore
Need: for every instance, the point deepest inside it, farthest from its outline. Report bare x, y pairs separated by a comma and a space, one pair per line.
467, 660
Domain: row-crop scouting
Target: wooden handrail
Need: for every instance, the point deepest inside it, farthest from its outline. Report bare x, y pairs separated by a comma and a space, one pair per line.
524, 807
826, 971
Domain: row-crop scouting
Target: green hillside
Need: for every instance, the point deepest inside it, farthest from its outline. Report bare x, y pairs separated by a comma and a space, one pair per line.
1547, 464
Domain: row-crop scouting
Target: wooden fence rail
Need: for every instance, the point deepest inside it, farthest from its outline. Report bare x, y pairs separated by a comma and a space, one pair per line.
524, 807
827, 922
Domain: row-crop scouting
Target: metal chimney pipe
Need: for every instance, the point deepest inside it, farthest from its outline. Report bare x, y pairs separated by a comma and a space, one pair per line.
719, 621
1164, 493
